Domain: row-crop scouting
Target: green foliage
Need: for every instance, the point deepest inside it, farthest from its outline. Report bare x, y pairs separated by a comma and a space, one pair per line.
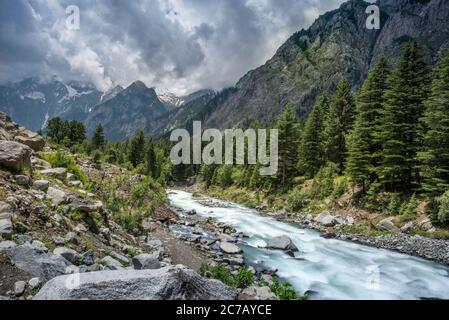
223, 273
61, 159
68, 133
98, 139
443, 208
284, 291
137, 149
401, 129
395, 204
323, 183
244, 278
435, 158
339, 122
311, 152
410, 208
296, 199
364, 144
223, 176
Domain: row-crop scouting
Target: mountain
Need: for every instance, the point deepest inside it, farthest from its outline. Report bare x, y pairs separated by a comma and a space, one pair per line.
130, 110
33, 101
337, 45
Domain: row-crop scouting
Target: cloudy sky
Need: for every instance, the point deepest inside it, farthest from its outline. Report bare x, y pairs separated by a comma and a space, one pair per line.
180, 45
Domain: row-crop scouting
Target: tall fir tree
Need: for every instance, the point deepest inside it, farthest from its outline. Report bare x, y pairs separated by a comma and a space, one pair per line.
364, 144
311, 151
401, 131
289, 135
339, 122
435, 157
151, 160
137, 149
98, 139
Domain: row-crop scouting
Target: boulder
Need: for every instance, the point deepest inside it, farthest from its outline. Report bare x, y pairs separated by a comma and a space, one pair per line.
326, 219
146, 261
282, 243
15, 156
6, 227
84, 206
58, 173
71, 177
87, 258
41, 185
387, 225
5, 245
111, 264
33, 260
229, 248
31, 139
19, 288
169, 283
425, 224
22, 180
68, 254
34, 283
119, 257
57, 196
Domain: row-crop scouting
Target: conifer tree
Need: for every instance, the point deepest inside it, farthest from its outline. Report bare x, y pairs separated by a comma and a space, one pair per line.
435, 158
137, 148
151, 160
311, 151
98, 139
401, 129
364, 144
338, 123
289, 135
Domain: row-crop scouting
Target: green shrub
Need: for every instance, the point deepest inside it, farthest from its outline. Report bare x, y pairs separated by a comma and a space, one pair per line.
244, 278
61, 159
323, 183
284, 291
443, 208
296, 199
394, 206
410, 208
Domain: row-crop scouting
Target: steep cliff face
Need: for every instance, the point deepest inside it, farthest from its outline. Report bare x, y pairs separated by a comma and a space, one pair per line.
337, 45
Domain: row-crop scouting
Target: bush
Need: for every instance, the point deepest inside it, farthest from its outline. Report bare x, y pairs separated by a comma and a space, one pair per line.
323, 183
443, 208
410, 208
61, 159
284, 291
394, 206
296, 199
244, 278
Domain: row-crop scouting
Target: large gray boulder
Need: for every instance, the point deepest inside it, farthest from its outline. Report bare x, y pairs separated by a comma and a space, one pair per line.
169, 283
326, 219
84, 205
146, 262
229, 248
282, 243
387, 225
68, 254
6, 227
57, 196
37, 262
15, 156
58, 173
31, 139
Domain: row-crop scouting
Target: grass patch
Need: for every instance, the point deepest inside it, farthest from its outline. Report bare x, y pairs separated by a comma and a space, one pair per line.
61, 159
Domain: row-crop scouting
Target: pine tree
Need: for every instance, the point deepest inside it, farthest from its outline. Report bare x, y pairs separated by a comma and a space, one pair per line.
98, 139
151, 161
137, 148
289, 135
435, 158
339, 122
364, 144
401, 129
311, 151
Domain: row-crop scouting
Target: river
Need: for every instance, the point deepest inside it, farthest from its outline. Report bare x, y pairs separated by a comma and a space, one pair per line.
326, 268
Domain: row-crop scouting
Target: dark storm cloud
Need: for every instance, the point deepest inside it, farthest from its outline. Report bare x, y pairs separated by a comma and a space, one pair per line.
182, 45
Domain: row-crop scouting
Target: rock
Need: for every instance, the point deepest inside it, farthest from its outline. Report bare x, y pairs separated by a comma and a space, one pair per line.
88, 258
31, 139
264, 293
227, 238
326, 219
169, 283
387, 225
282, 243
22, 180
111, 264
350, 221
15, 156
71, 177
72, 270
191, 212
119, 257
34, 283
5, 245
39, 246
58, 240
267, 278
84, 206
229, 248
146, 261
19, 288
40, 264
68, 254
154, 244
76, 183
80, 228
6, 227
408, 226
58, 173
41, 185
70, 237
57, 196
425, 225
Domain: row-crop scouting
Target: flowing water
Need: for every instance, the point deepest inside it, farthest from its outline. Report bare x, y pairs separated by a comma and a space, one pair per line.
326, 268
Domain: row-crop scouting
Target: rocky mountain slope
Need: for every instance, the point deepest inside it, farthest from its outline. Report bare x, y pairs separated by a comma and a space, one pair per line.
337, 45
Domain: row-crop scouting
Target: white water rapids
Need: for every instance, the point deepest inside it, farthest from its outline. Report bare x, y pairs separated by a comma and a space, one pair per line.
327, 268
